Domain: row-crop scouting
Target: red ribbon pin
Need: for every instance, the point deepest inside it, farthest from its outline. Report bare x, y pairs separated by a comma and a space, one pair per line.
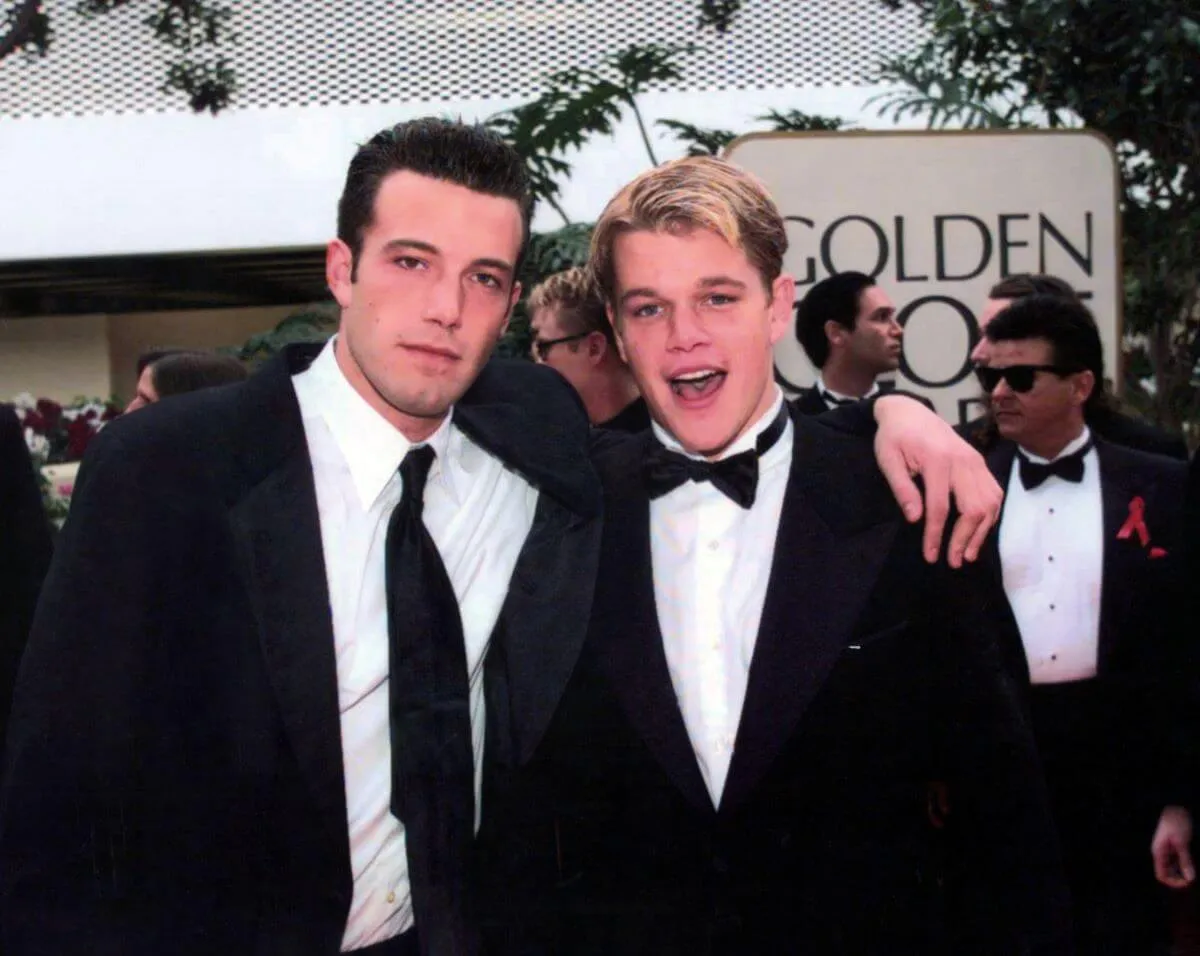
1136, 522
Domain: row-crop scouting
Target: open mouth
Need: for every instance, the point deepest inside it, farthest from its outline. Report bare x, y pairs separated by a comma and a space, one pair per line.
698, 384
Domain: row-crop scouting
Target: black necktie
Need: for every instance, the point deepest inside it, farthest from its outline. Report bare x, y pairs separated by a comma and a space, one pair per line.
433, 770
736, 476
1068, 468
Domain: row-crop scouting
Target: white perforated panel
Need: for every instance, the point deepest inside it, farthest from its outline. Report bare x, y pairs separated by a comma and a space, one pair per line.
305, 52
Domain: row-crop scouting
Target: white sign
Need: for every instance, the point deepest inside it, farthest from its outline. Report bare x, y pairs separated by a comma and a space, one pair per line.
938, 219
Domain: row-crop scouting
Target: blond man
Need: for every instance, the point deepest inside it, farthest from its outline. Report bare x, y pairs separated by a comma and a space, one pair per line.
772, 672
572, 335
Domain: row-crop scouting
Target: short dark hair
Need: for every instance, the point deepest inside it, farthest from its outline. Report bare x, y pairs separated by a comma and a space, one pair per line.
183, 372
467, 155
1067, 324
150, 356
1024, 284
834, 299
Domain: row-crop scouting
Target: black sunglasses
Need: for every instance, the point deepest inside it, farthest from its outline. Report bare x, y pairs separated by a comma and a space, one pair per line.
542, 347
1020, 378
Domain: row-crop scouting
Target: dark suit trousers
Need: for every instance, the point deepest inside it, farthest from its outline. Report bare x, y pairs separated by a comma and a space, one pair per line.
1105, 829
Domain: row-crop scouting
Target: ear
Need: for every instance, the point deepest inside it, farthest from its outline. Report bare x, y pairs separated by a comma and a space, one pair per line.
1085, 384
339, 264
835, 332
783, 299
597, 347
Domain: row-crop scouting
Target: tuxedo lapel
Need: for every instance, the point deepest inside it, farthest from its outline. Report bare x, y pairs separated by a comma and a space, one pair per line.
1118, 487
999, 461
626, 618
544, 619
276, 527
822, 574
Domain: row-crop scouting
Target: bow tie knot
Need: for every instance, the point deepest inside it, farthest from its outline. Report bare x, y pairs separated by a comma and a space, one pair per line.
736, 476
1068, 468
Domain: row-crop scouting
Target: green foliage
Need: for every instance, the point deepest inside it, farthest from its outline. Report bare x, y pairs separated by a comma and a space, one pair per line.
718, 14
194, 29
582, 102
315, 323
1130, 71
700, 141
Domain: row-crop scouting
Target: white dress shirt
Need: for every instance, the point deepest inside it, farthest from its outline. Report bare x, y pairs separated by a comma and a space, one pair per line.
712, 560
838, 398
478, 513
1052, 552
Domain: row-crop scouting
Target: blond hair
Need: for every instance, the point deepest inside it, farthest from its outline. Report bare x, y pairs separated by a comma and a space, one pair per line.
697, 192
571, 292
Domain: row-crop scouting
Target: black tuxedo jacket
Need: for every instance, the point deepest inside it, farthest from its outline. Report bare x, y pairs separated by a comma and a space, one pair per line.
810, 402
175, 778
872, 674
25, 547
1147, 655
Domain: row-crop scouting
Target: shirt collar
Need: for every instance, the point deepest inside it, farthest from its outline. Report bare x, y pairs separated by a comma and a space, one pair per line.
824, 389
371, 446
745, 442
1084, 437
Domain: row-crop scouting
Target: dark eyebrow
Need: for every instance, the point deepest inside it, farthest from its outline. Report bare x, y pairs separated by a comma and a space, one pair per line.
637, 294
395, 245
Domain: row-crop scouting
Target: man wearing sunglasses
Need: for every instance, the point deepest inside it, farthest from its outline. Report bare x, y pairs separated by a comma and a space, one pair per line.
1088, 552
1104, 419
572, 336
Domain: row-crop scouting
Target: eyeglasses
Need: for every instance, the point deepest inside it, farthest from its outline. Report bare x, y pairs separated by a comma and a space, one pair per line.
1020, 378
542, 347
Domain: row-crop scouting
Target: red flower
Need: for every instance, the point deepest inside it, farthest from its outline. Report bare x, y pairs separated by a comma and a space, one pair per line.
35, 421
79, 434
50, 412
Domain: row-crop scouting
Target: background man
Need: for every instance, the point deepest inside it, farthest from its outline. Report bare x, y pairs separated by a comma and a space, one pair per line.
572, 336
183, 371
847, 326
1089, 548
1103, 417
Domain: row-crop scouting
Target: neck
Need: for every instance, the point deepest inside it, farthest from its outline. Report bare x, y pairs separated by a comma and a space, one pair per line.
1050, 444
608, 395
413, 427
846, 378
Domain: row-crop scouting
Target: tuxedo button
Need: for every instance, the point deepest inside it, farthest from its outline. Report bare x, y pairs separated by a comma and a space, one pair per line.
391, 897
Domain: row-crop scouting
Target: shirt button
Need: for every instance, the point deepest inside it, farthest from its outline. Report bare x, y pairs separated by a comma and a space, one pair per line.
1051, 607
713, 545
1051, 559
391, 897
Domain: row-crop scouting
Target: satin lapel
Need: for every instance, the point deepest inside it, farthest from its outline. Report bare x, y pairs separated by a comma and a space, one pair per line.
626, 628
1118, 487
544, 619
819, 585
544, 622
277, 531
999, 461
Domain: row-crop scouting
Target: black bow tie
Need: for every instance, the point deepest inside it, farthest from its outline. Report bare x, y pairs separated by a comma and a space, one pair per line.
1068, 468
736, 476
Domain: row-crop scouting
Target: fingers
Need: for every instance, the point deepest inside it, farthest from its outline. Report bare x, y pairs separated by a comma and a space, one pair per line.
937, 509
1186, 868
895, 470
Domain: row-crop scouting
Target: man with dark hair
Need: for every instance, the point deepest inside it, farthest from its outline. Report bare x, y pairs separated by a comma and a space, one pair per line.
1103, 416
251, 717
1089, 551
572, 336
847, 326
182, 371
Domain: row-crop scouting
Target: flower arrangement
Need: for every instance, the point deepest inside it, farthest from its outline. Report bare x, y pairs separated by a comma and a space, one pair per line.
57, 435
